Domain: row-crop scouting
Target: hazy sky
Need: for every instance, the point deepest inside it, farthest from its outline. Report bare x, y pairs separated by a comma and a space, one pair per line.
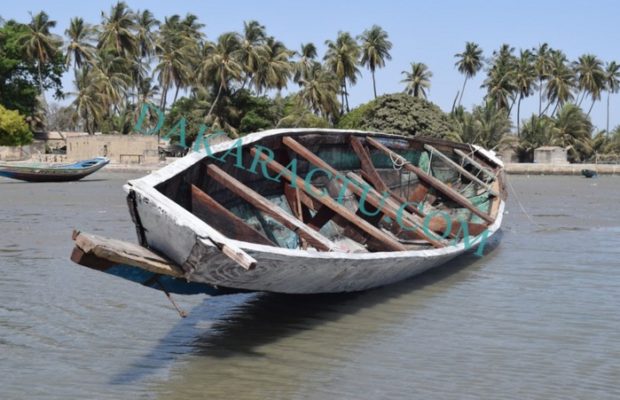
430, 32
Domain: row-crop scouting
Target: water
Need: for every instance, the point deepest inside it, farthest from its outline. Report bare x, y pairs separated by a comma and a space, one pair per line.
537, 318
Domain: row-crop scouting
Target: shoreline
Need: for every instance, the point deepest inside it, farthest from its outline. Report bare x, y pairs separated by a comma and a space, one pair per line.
511, 168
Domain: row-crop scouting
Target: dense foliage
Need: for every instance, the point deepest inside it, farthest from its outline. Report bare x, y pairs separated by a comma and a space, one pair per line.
14, 131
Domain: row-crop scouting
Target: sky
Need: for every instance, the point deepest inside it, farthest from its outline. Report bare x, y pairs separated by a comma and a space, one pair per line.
431, 32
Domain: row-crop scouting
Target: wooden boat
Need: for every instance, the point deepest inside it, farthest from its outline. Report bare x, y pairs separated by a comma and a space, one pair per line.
589, 173
307, 211
41, 172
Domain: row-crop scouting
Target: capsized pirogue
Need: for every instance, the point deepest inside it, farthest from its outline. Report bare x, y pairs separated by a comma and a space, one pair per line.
304, 211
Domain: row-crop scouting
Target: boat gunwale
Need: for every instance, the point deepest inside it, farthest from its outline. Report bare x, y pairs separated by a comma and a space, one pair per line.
145, 187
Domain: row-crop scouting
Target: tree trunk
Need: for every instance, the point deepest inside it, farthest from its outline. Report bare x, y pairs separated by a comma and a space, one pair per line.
346, 94
463, 90
607, 130
176, 93
342, 90
583, 96
374, 84
591, 107
519, 117
217, 97
539, 97
555, 108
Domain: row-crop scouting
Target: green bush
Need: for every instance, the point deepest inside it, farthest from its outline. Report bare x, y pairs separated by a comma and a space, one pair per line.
354, 118
14, 130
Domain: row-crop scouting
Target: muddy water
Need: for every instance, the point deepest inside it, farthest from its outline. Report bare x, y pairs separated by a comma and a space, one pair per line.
536, 318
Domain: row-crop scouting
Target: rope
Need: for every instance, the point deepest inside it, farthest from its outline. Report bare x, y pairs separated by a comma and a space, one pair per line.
397, 161
514, 193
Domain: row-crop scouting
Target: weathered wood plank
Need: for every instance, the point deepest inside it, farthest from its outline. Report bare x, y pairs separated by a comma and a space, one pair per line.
476, 164
118, 252
206, 208
314, 238
460, 169
434, 182
374, 199
389, 243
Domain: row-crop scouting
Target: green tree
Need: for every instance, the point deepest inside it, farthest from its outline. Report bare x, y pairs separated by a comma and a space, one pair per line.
79, 47
612, 84
500, 83
572, 130
274, 69
14, 130
486, 125
341, 58
543, 64
319, 91
536, 132
525, 80
118, 31
375, 47
590, 77
560, 82
418, 80
252, 49
305, 63
469, 63
89, 102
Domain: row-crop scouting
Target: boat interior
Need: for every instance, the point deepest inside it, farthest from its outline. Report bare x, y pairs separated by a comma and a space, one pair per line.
343, 192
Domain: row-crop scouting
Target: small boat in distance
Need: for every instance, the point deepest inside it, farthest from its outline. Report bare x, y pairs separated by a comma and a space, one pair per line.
42, 172
305, 211
589, 173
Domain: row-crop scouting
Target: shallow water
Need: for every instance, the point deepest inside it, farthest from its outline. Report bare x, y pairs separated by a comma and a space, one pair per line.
536, 318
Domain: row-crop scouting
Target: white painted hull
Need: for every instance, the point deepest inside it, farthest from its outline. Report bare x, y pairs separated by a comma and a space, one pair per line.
184, 238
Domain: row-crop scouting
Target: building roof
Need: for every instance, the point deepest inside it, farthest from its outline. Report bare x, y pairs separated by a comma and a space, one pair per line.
550, 148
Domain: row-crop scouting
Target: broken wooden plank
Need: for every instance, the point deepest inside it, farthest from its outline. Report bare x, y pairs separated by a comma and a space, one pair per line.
434, 182
94, 251
324, 199
367, 166
219, 217
475, 163
460, 169
374, 199
314, 238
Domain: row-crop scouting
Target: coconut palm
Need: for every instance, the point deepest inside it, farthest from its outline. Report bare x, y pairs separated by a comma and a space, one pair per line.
612, 84
110, 72
573, 131
304, 65
341, 58
118, 30
89, 102
145, 25
274, 69
418, 80
319, 91
220, 63
536, 132
252, 49
525, 81
543, 64
590, 77
79, 47
40, 45
560, 81
500, 83
469, 63
375, 48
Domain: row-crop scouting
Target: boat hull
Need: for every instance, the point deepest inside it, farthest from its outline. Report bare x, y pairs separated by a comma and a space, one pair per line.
42, 174
172, 230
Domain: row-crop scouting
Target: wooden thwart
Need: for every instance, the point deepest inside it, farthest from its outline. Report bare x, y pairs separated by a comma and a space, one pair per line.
340, 210
220, 218
314, 238
373, 198
476, 164
434, 182
95, 251
460, 169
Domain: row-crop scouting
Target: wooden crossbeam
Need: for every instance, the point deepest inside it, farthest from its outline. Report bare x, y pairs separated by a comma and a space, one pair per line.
375, 201
314, 238
209, 210
434, 182
376, 233
476, 164
460, 169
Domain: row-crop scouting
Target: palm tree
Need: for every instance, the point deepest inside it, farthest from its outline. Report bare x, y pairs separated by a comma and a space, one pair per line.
304, 65
319, 91
252, 48
220, 63
612, 84
145, 24
89, 103
543, 64
375, 50
469, 63
118, 31
573, 131
40, 45
560, 82
80, 47
524, 77
590, 77
536, 132
418, 80
341, 58
274, 69
500, 83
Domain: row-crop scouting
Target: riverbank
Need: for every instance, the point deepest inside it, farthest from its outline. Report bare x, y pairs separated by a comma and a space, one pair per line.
560, 169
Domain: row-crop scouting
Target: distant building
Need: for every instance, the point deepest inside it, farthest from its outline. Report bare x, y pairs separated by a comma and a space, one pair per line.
56, 140
122, 149
550, 155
